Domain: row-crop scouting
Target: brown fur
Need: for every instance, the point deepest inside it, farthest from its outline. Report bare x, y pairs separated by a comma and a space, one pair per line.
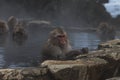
12, 21
106, 31
53, 49
19, 34
3, 27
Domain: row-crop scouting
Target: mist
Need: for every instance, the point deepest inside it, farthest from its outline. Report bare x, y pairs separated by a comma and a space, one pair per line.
70, 13
8, 9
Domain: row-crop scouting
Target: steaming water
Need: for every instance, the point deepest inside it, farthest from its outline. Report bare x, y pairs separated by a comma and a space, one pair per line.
113, 7
2, 61
84, 39
28, 54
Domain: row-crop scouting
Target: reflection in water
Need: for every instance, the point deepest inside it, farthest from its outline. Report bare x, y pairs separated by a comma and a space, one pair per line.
84, 39
2, 61
28, 54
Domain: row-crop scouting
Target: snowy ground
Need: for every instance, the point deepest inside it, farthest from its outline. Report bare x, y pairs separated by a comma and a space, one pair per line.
113, 7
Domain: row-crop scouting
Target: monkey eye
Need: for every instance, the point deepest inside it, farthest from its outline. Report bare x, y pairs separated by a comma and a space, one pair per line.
61, 36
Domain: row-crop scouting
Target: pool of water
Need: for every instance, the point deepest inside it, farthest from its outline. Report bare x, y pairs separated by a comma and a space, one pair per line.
28, 54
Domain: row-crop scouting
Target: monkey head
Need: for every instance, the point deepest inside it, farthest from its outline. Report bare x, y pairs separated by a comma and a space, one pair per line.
19, 29
58, 37
12, 21
103, 26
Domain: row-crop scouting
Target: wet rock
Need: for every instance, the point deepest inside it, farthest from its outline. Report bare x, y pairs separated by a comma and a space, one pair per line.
24, 74
109, 51
112, 54
39, 23
109, 44
83, 69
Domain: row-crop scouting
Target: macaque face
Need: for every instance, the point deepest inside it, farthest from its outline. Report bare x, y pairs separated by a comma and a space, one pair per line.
59, 37
62, 39
57, 45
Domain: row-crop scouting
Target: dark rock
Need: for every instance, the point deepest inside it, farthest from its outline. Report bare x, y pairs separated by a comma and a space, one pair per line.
110, 51
24, 74
103, 1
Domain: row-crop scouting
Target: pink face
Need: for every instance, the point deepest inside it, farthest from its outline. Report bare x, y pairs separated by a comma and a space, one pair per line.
62, 39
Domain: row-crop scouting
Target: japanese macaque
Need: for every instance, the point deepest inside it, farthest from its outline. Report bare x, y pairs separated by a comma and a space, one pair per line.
57, 45
19, 34
12, 21
106, 32
3, 27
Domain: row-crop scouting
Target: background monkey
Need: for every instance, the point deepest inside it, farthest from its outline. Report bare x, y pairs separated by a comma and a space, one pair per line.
12, 21
19, 34
106, 31
3, 27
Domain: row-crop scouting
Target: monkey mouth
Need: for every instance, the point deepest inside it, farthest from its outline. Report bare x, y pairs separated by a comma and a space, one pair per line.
63, 42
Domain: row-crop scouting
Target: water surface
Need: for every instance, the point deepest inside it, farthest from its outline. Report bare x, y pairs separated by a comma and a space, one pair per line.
28, 54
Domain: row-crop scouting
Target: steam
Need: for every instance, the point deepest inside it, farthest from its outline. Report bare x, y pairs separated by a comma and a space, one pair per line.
8, 9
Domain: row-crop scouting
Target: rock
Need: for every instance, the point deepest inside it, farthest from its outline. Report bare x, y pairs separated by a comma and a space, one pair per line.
24, 74
109, 44
109, 51
40, 23
115, 78
112, 54
83, 69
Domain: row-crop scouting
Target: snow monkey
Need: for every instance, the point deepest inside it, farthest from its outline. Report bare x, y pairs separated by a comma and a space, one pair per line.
57, 45
106, 31
19, 34
3, 27
12, 21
